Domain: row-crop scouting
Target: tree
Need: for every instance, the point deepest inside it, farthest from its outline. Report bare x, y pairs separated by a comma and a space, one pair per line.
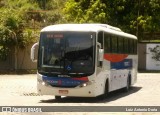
21, 21
133, 16
147, 19
85, 11
12, 26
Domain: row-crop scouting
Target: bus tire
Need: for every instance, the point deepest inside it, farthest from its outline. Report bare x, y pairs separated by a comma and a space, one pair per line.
103, 96
128, 84
57, 97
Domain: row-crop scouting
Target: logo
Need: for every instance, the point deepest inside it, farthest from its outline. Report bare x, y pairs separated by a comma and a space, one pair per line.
21, 109
68, 67
6, 109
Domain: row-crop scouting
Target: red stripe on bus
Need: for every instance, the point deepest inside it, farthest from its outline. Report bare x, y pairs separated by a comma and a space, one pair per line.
115, 57
81, 78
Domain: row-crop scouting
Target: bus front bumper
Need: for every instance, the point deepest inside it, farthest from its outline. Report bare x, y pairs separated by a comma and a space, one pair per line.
84, 90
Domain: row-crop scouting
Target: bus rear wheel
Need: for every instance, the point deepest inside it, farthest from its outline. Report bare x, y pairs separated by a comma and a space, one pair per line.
128, 84
57, 97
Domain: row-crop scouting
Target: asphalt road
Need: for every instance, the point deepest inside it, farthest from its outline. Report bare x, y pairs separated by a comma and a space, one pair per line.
20, 90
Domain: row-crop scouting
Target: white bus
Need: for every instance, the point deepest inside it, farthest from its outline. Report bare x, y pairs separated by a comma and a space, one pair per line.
85, 60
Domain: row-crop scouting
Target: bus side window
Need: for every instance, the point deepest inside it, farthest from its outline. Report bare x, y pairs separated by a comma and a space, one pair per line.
125, 45
107, 43
114, 44
130, 46
120, 45
100, 39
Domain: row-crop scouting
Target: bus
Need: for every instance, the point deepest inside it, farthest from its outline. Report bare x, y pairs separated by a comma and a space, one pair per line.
84, 60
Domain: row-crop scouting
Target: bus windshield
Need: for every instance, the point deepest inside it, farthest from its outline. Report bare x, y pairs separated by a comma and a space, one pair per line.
69, 53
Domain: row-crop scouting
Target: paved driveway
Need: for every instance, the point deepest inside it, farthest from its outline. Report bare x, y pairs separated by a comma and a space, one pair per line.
20, 90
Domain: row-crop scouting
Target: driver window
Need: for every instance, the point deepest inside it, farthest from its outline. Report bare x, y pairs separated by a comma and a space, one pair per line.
100, 40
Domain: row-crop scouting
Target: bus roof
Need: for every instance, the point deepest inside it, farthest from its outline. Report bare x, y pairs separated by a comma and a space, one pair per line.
88, 28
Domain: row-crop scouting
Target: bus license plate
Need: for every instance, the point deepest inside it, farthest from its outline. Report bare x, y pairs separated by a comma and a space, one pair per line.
63, 91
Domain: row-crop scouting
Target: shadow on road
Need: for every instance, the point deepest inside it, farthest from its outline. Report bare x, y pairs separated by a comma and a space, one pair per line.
111, 97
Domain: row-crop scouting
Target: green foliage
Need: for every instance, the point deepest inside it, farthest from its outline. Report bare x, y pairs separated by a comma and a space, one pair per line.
21, 20
13, 25
5, 40
55, 14
4, 52
131, 16
84, 11
96, 12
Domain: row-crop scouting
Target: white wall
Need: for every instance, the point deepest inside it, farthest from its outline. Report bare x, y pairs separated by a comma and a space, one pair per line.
153, 57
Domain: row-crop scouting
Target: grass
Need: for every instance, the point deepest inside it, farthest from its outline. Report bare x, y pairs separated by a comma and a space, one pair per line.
150, 41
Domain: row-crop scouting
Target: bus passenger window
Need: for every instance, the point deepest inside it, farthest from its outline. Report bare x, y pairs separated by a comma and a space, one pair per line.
129, 46
114, 44
107, 43
125, 45
120, 45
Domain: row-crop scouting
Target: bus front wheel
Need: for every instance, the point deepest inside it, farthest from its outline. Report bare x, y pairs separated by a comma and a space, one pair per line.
103, 96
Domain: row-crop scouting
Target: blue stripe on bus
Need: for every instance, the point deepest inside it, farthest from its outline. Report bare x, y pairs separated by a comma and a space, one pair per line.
125, 64
59, 81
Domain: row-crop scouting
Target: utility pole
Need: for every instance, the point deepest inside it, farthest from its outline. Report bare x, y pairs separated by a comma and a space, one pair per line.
139, 12
137, 33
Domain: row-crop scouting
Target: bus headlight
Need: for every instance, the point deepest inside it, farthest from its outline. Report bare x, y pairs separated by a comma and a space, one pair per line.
44, 83
85, 84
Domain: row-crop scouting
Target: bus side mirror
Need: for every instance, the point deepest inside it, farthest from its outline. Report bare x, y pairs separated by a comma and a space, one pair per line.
33, 52
101, 53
